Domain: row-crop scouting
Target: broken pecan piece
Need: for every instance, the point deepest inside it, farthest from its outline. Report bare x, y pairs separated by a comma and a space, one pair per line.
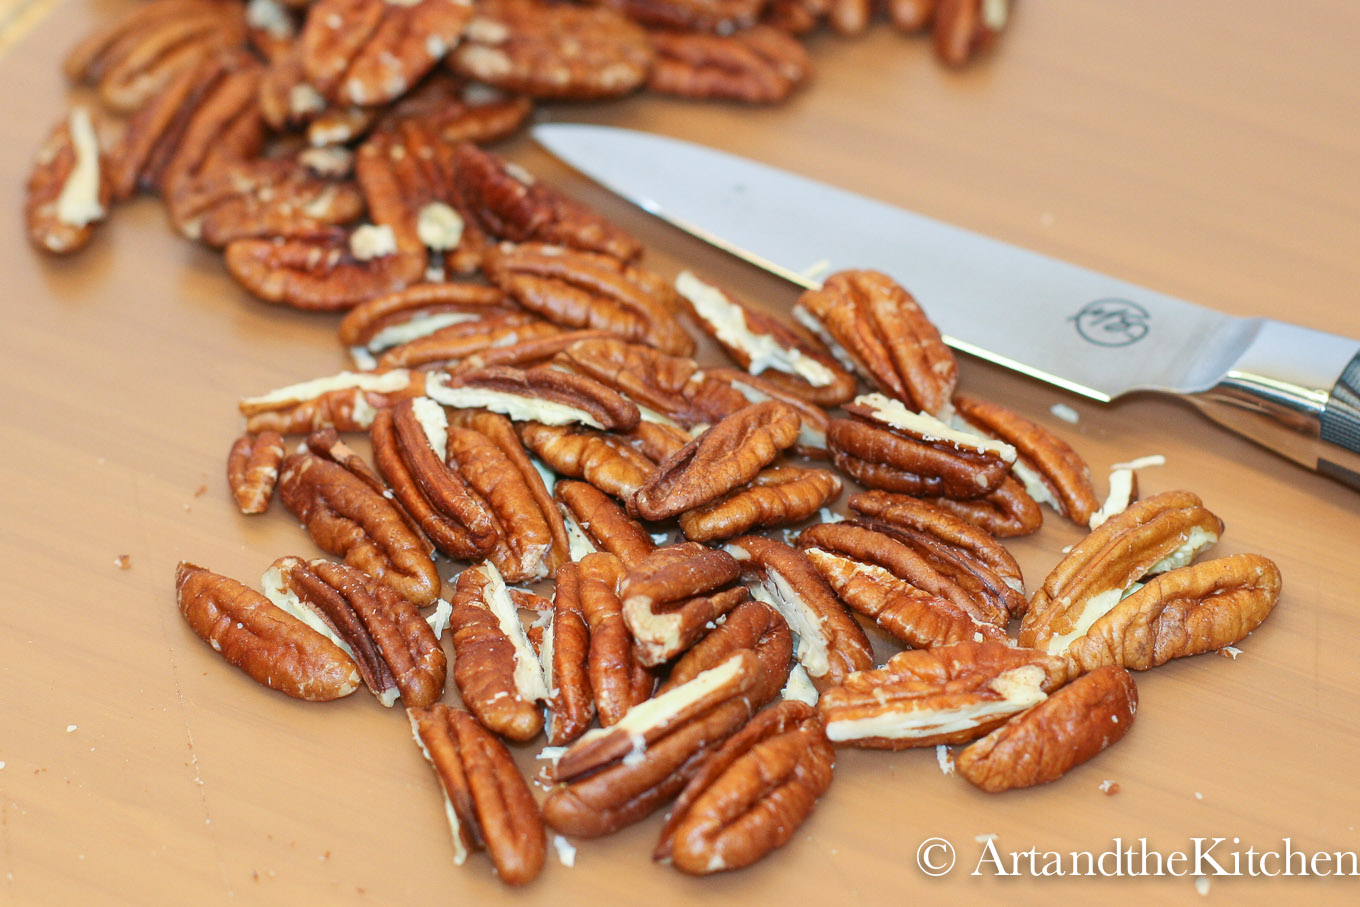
947, 694
729, 454
539, 394
752, 794
881, 330
757, 65
486, 799
269, 645
68, 191
346, 517
602, 525
672, 595
347, 401
1055, 736
253, 470
777, 496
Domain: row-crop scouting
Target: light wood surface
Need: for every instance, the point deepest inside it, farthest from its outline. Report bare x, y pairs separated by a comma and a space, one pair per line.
1210, 150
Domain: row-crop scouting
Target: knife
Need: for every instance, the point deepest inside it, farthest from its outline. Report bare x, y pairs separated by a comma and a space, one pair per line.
1291, 389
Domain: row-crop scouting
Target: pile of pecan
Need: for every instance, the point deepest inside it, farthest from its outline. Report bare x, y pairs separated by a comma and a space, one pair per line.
308, 139
649, 575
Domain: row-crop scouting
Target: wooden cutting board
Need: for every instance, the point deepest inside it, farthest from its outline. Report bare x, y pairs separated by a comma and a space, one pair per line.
1209, 150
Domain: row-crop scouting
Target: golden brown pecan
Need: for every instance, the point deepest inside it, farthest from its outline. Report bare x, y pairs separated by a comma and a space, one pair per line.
729, 454
224, 127
326, 443
757, 65
811, 441
68, 190
618, 680
260, 198
750, 625
1184, 612
287, 100
947, 694
613, 777
656, 440
790, 359
495, 668
253, 470
397, 652
531, 351
777, 496
347, 518
566, 657
718, 16
604, 460
1155, 535
271, 646
889, 447
671, 596
596, 523
965, 29
369, 52
327, 272
673, 386
1005, 513
506, 201
831, 643
1052, 472
1055, 736
137, 54
347, 401
881, 330
395, 318
751, 795
797, 17
486, 799
458, 110
580, 289
453, 344
539, 394
551, 50
882, 578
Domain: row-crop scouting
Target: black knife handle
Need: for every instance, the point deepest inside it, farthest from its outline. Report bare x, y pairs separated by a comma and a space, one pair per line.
1340, 424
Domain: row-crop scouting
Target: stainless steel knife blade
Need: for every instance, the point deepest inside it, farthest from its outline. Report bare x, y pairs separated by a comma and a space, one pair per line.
1292, 389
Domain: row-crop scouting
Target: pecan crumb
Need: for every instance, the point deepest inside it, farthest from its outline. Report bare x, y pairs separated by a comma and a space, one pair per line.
1230, 652
123, 561
1109, 787
945, 759
200, 491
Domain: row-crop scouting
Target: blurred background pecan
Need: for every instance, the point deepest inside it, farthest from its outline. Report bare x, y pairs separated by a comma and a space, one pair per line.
758, 65
68, 191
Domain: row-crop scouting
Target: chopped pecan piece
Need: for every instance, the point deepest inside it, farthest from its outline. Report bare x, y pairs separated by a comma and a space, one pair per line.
948, 694
674, 386
347, 401
347, 518
369, 52
673, 594
777, 496
618, 680
271, 646
397, 652
750, 625
540, 394
253, 470
580, 289
565, 655
604, 460
486, 799
495, 668
889, 447
68, 191
752, 794
601, 524
328, 272
1052, 472
757, 65
882, 331
729, 454
551, 50
1054, 737
1155, 535
1184, 612
1005, 513
831, 643
964, 29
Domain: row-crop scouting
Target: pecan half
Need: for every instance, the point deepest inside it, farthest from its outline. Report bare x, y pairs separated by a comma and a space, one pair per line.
948, 694
253, 470
752, 794
326, 443
346, 517
601, 524
830, 642
397, 652
729, 454
458, 110
566, 658
777, 496
347, 401
1052, 472
757, 65
889, 447
368, 52
618, 680
792, 360
965, 29
548, 50
497, 673
613, 777
884, 579
1184, 612
674, 386
881, 330
1046, 742
604, 460
68, 190
269, 645
486, 799
811, 441
1005, 513
581, 289
750, 625
540, 394
457, 343
396, 318
223, 127
1155, 535
673, 594
330, 271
